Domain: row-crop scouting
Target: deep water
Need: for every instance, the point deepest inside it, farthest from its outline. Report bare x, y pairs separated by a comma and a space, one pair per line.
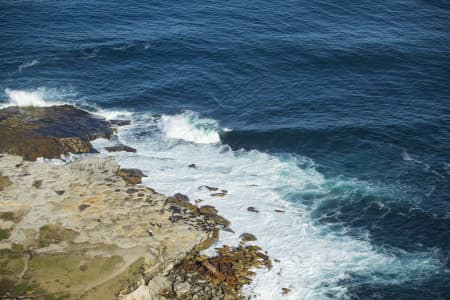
338, 110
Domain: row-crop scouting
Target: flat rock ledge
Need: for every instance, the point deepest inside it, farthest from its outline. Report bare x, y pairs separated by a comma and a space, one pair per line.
48, 132
80, 231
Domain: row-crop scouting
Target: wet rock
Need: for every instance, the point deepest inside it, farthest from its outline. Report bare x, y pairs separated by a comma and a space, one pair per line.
178, 199
247, 237
285, 291
119, 148
193, 166
48, 132
120, 122
218, 194
252, 209
208, 210
229, 230
279, 210
131, 176
209, 188
60, 192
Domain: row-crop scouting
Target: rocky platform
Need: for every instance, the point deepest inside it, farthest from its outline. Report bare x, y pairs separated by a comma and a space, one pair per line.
88, 230
80, 231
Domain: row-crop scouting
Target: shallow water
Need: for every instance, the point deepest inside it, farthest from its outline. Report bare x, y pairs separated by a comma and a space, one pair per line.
337, 111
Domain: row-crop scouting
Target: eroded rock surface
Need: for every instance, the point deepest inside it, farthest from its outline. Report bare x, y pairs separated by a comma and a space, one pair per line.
48, 132
99, 239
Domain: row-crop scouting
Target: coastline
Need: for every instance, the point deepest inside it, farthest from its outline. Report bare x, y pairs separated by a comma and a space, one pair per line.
88, 229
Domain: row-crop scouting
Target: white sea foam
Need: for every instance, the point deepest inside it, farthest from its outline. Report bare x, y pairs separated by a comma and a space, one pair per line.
28, 64
29, 98
190, 127
314, 259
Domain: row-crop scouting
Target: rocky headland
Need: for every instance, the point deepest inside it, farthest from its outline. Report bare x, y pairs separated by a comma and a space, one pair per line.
88, 229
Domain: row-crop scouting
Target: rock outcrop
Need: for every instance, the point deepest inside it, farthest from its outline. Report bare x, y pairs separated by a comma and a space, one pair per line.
88, 230
83, 232
48, 132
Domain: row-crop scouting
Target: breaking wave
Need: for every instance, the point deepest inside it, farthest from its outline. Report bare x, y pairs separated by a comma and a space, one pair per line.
29, 98
314, 260
190, 127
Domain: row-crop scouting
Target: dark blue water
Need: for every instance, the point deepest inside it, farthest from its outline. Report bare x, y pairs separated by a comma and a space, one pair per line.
361, 88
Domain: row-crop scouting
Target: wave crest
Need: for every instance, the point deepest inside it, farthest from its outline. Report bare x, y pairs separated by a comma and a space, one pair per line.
190, 127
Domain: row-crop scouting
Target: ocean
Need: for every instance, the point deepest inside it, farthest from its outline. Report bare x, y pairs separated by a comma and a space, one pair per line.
335, 112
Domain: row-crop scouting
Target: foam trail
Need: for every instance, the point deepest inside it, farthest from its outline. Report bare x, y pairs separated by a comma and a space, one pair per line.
28, 64
190, 127
315, 260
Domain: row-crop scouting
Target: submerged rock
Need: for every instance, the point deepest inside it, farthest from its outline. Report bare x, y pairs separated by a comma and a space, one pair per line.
48, 132
119, 148
209, 188
120, 122
252, 209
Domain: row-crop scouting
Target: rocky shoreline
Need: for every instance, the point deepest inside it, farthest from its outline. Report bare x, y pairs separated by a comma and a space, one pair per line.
88, 229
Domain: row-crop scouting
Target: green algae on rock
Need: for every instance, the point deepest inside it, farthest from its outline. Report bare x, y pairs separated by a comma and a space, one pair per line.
48, 132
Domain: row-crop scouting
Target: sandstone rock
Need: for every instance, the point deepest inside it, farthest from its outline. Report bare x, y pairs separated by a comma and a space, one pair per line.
141, 293
90, 243
131, 176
